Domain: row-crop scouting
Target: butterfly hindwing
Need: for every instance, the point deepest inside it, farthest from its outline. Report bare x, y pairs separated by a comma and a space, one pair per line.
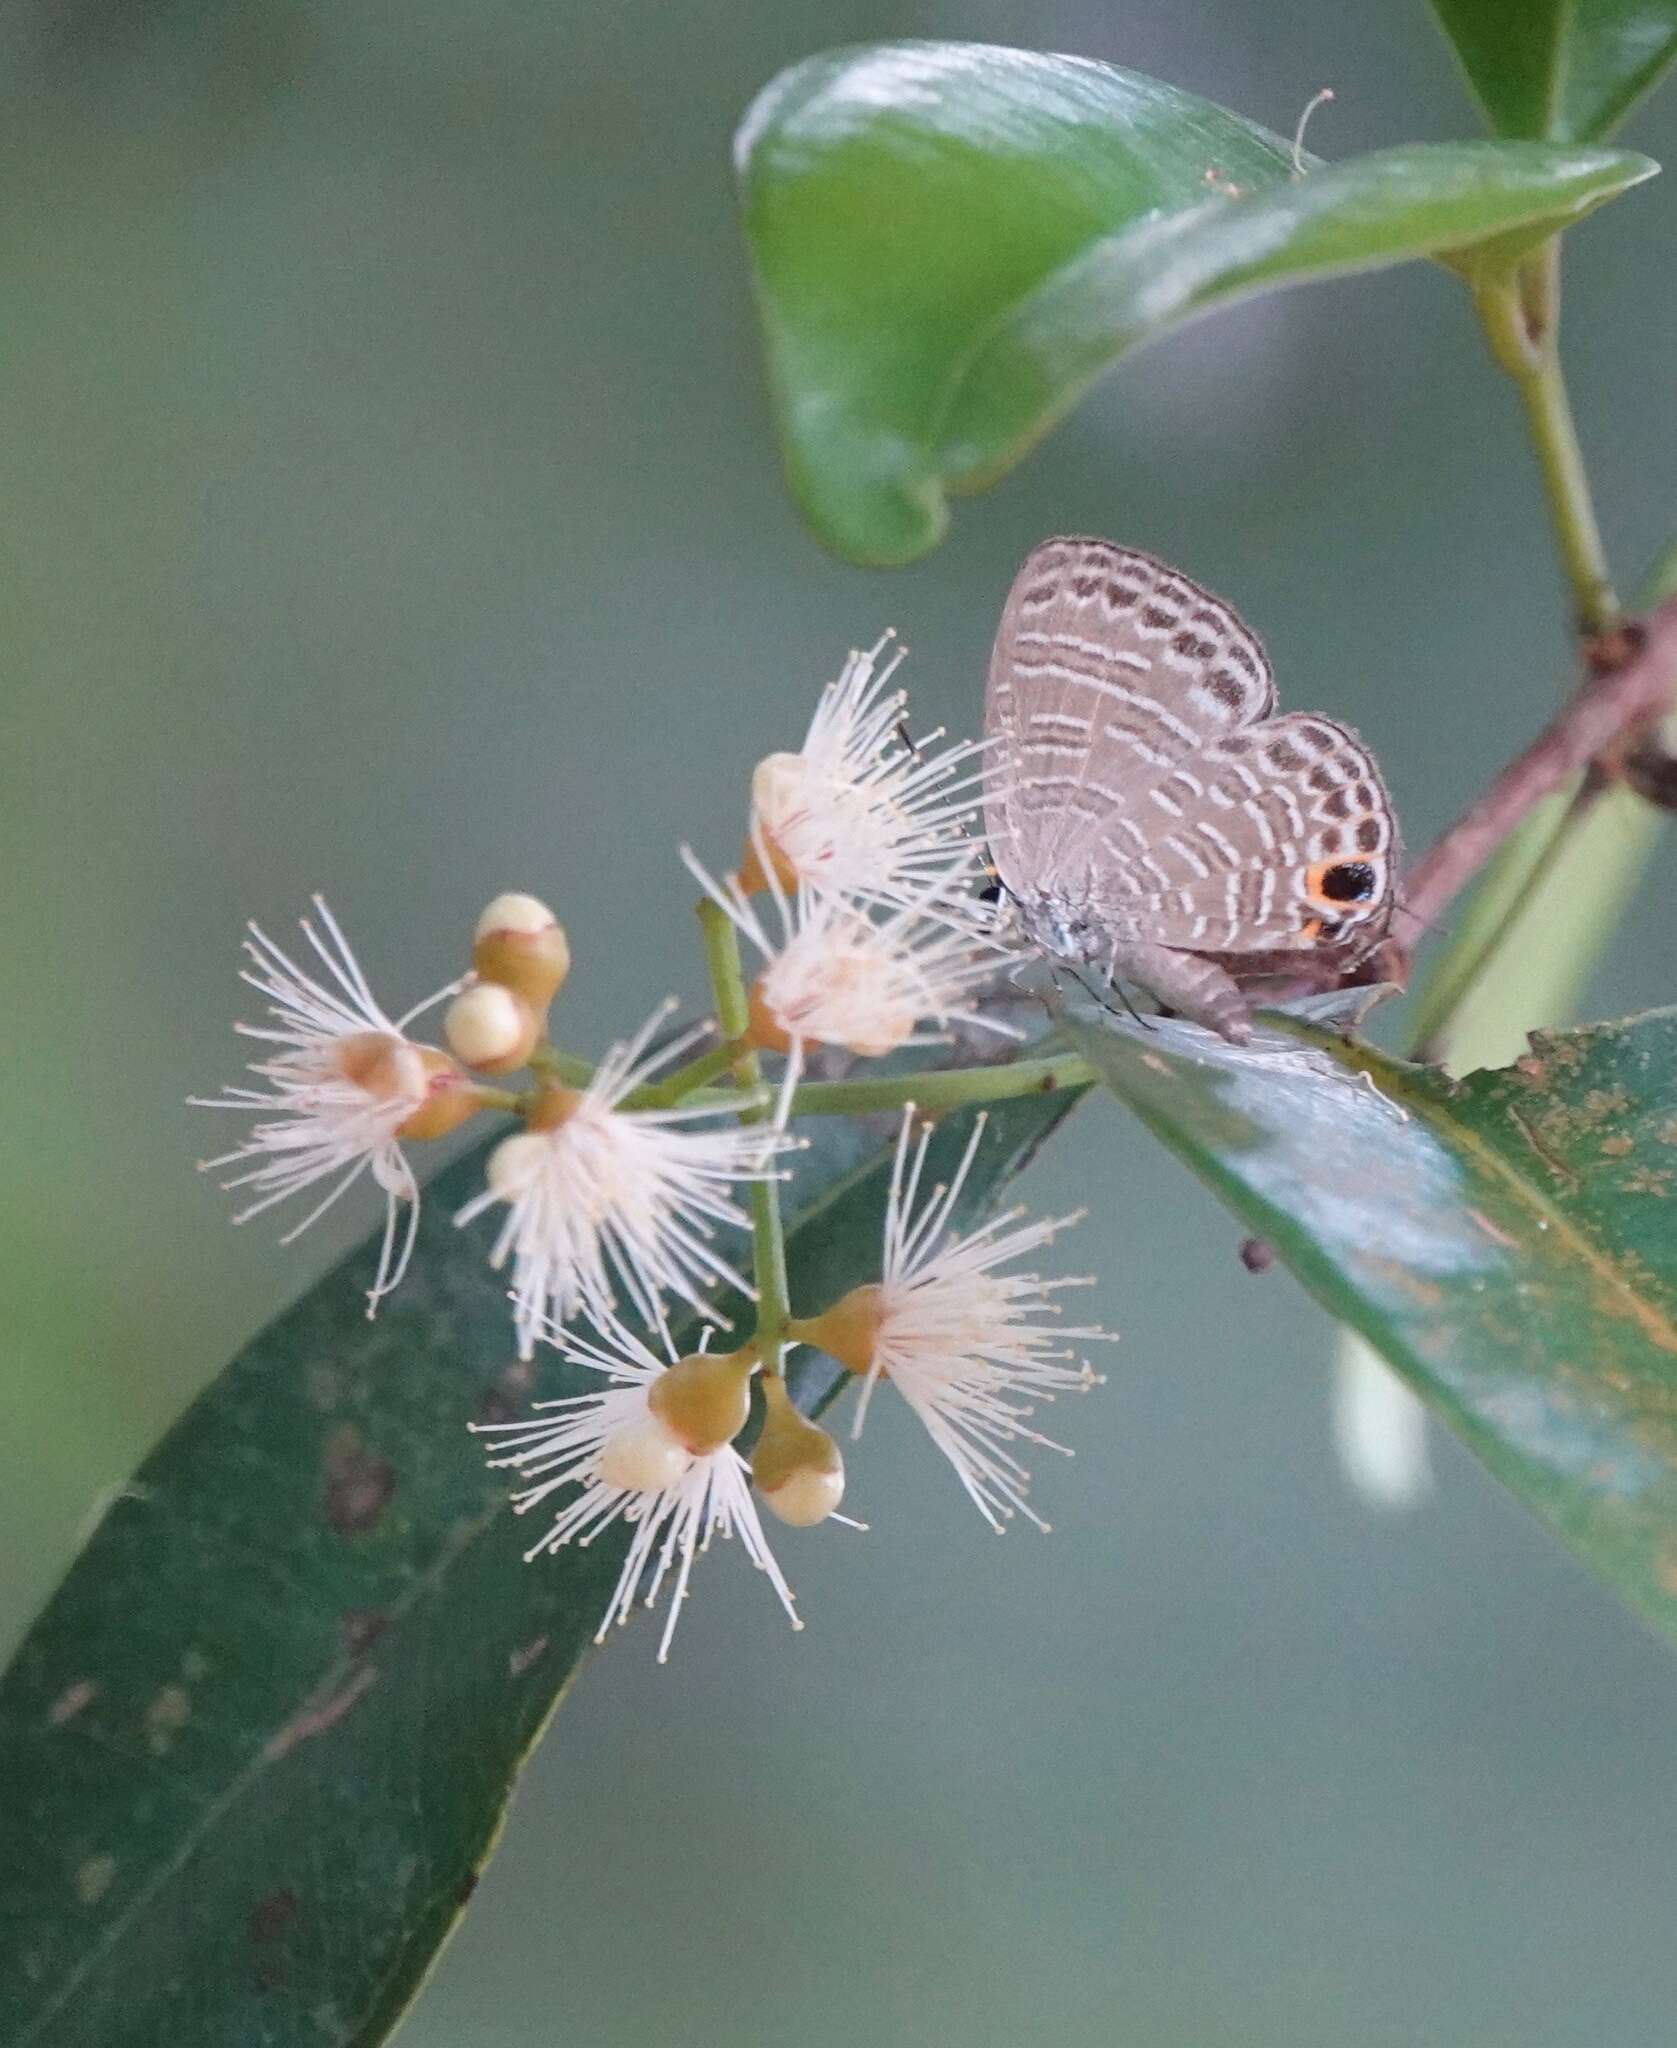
1278, 838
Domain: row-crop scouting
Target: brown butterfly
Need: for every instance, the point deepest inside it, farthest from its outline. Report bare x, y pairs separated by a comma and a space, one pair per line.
1148, 812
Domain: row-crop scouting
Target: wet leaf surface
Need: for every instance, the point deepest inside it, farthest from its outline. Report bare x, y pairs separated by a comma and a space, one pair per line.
1508, 1242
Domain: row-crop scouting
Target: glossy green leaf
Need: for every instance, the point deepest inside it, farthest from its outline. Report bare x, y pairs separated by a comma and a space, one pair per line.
257, 1748
1560, 70
1507, 1242
950, 240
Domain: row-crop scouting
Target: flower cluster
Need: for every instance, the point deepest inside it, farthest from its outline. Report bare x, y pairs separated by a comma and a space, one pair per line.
617, 1194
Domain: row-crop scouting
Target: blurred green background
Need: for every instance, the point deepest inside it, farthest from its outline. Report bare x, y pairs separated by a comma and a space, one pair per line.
394, 512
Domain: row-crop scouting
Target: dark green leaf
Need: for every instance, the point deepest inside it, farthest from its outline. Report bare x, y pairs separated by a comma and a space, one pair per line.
951, 240
257, 1748
1560, 70
1508, 1242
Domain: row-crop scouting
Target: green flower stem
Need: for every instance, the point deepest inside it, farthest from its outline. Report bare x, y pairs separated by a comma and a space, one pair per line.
768, 1236
936, 1090
676, 1087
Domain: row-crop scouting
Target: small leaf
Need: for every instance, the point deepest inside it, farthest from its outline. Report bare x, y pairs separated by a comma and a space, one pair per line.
1560, 70
1507, 1242
951, 240
257, 1748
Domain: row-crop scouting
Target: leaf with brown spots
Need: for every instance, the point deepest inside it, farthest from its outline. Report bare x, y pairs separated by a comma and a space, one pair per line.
254, 1753
1508, 1242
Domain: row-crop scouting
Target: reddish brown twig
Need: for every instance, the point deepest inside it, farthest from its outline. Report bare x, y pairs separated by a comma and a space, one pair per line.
1630, 685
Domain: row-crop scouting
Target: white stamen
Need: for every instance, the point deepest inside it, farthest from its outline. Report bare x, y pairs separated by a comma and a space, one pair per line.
566, 1443
326, 1126
857, 811
970, 1349
622, 1201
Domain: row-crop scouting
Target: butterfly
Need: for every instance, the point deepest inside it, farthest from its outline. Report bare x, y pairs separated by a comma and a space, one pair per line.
1149, 814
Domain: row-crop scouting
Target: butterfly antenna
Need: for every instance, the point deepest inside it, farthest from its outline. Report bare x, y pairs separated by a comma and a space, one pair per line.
1320, 100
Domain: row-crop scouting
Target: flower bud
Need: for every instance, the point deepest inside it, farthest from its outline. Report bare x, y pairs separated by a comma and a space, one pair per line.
705, 1398
643, 1456
450, 1098
491, 1028
798, 1468
520, 945
848, 1331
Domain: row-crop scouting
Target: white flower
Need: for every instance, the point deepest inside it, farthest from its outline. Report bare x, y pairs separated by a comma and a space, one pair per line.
969, 1348
594, 1442
855, 809
836, 976
605, 1198
345, 1086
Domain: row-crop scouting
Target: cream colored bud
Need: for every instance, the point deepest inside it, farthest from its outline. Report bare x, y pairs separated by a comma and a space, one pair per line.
491, 1029
520, 945
515, 912
514, 1163
797, 1466
705, 1398
806, 1497
643, 1456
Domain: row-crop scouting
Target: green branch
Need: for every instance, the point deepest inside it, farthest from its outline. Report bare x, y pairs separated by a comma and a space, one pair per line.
1557, 890
768, 1235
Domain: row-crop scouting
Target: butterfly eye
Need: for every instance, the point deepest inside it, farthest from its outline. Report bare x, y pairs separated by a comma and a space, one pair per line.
1340, 881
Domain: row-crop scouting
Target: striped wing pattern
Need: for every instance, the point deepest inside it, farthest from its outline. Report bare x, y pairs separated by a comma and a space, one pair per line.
1141, 782
1235, 850
1109, 668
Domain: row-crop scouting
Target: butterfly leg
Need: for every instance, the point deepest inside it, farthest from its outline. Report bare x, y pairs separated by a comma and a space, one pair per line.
1114, 980
1188, 983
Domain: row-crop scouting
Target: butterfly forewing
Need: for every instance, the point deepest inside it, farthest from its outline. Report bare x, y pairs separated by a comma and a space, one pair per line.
1110, 668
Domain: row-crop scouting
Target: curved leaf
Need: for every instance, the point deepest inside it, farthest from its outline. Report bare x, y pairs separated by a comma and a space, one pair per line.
1430, 200
1508, 1242
950, 240
1560, 70
255, 1751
